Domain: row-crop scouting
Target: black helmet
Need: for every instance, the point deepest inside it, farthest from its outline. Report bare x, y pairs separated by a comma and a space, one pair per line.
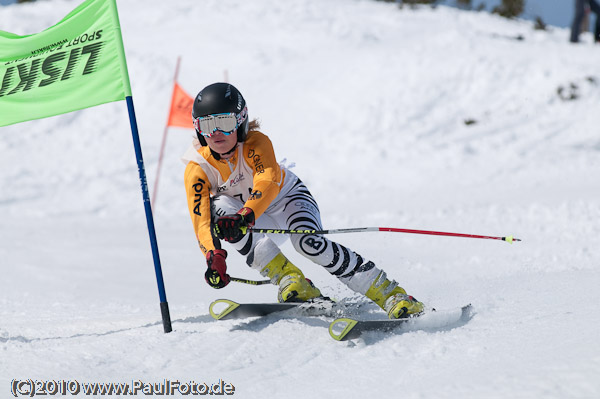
219, 98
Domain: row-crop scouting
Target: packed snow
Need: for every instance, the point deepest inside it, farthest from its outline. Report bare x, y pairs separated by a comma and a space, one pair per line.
424, 118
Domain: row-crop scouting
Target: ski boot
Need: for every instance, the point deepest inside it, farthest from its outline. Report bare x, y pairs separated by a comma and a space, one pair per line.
392, 298
293, 286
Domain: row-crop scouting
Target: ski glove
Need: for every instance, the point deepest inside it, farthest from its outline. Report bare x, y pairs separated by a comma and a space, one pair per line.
229, 227
216, 275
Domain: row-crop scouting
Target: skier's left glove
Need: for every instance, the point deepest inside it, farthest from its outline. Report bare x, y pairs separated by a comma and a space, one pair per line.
216, 275
229, 227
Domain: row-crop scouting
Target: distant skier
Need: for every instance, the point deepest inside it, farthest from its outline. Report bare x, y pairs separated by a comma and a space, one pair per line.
233, 181
580, 6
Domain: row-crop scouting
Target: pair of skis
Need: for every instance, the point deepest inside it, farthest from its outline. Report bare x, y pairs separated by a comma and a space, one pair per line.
345, 328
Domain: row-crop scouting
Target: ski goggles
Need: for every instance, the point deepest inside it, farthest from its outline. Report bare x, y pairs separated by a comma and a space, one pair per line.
225, 123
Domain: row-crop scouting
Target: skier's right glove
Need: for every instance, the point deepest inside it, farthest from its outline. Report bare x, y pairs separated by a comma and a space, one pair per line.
229, 227
216, 275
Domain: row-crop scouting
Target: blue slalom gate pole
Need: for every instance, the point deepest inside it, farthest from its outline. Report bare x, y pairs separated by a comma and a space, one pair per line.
164, 306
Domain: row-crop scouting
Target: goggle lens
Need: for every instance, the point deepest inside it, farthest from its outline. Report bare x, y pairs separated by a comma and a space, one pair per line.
209, 125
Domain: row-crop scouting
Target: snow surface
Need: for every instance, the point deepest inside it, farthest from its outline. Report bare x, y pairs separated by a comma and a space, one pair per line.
369, 102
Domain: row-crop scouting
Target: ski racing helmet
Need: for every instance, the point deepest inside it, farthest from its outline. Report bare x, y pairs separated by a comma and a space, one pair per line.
221, 98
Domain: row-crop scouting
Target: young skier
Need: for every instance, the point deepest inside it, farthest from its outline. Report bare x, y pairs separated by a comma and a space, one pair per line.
233, 181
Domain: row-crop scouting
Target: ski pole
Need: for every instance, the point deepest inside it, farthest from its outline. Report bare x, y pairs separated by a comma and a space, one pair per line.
509, 239
251, 282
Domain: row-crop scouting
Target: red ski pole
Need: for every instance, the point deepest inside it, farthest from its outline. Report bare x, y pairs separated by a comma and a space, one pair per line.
509, 239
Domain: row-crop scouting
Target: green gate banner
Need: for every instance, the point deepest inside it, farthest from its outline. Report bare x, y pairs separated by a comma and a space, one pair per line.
75, 64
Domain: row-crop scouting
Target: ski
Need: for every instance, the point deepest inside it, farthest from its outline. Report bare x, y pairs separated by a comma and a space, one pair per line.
225, 309
344, 329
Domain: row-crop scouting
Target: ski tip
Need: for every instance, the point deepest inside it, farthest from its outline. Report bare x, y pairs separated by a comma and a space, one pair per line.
339, 328
219, 303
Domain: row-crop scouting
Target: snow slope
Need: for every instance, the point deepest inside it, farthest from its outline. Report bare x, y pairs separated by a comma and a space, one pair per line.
369, 102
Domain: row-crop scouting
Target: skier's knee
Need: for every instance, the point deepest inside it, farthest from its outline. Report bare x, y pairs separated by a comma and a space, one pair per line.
221, 205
